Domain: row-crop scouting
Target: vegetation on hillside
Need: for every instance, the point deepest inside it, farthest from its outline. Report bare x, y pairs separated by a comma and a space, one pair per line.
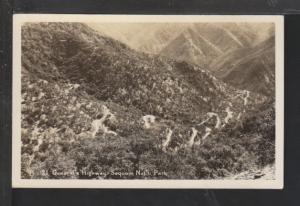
74, 79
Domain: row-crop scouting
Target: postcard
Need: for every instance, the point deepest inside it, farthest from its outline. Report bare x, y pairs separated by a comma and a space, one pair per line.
148, 101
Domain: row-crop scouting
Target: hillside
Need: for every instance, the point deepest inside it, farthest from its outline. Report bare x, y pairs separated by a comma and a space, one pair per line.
154, 37
144, 37
191, 47
251, 69
109, 70
92, 103
241, 54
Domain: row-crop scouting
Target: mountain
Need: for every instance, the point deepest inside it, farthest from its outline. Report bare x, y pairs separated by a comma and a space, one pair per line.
227, 36
145, 37
202, 43
251, 69
153, 37
241, 54
191, 47
111, 71
90, 102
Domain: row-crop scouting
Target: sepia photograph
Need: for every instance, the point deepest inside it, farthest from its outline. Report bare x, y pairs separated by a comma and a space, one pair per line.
141, 101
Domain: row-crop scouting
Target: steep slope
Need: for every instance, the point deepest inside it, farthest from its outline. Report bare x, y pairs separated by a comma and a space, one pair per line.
262, 30
153, 37
192, 47
250, 141
145, 37
228, 36
91, 103
198, 43
111, 71
201, 43
252, 69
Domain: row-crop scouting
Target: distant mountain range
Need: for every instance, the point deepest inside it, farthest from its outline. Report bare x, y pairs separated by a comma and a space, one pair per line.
252, 69
154, 37
217, 47
201, 43
149, 38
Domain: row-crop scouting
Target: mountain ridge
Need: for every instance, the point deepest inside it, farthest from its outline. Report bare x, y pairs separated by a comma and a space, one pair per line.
238, 68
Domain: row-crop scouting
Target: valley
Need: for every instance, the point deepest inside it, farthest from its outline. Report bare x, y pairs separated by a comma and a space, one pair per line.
90, 102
